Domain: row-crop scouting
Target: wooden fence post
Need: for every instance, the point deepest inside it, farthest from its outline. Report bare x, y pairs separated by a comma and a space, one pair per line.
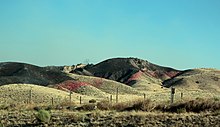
80, 100
144, 96
117, 95
111, 98
52, 101
30, 96
181, 96
172, 94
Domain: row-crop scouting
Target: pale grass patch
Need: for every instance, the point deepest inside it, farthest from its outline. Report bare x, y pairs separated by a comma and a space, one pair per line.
20, 94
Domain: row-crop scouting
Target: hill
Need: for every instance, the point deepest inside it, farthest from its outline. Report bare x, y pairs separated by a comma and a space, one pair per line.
105, 85
124, 69
20, 93
14, 73
203, 79
54, 77
130, 75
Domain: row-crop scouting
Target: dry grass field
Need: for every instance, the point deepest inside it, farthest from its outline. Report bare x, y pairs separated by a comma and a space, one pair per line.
127, 112
20, 94
114, 118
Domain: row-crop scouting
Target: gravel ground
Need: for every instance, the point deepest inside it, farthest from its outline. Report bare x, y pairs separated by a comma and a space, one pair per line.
111, 119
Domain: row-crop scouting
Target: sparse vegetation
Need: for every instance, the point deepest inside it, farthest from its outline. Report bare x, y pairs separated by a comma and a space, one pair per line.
104, 105
76, 117
198, 105
88, 107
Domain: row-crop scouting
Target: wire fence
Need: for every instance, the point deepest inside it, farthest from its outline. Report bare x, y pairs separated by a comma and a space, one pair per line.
171, 96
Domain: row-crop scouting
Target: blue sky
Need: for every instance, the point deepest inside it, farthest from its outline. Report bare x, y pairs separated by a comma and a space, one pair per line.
177, 33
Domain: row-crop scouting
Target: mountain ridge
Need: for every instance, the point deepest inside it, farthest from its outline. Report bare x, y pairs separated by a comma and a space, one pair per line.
133, 72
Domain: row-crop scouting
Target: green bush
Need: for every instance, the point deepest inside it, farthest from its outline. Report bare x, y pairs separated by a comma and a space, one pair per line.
43, 116
216, 99
1, 125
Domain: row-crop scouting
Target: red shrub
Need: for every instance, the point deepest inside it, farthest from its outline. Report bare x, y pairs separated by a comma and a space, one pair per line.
71, 85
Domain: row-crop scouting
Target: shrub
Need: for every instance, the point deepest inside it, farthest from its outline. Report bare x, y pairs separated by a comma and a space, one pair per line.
104, 105
140, 105
216, 99
87, 107
144, 105
197, 106
43, 116
92, 101
121, 106
77, 117
1, 125
37, 108
4, 107
71, 108
66, 103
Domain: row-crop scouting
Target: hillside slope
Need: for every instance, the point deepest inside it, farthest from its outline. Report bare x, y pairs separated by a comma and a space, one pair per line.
130, 75
13, 73
123, 69
203, 79
105, 85
20, 93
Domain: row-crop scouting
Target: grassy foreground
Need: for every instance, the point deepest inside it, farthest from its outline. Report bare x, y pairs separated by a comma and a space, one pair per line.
112, 119
198, 112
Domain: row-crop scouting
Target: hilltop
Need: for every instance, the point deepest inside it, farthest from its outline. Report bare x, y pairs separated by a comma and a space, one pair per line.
123, 69
14, 73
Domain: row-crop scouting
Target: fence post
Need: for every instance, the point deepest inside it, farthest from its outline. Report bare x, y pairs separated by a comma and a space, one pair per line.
80, 100
144, 96
172, 94
111, 98
30, 96
117, 95
181, 96
52, 101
